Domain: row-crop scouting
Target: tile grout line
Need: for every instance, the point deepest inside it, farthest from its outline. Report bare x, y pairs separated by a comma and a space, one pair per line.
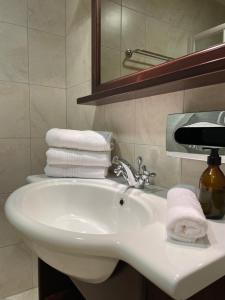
32, 28
32, 84
15, 296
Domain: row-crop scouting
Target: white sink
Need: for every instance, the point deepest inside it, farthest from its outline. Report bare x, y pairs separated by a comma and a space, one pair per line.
80, 227
77, 226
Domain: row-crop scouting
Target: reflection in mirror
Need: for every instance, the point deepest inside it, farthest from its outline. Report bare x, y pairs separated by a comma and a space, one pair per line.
136, 35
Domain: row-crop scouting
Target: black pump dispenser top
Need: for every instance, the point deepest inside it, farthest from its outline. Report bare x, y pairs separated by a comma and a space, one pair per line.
213, 158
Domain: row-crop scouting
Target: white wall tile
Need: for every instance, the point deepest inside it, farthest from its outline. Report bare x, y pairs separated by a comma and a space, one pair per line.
110, 64
48, 15
76, 12
166, 39
151, 117
139, 5
13, 11
78, 51
124, 150
47, 59
13, 53
83, 117
206, 98
133, 29
120, 119
38, 155
111, 18
8, 235
14, 113
48, 109
27, 295
14, 163
16, 270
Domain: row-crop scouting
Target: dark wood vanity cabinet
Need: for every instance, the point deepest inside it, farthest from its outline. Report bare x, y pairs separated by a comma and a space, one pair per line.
124, 284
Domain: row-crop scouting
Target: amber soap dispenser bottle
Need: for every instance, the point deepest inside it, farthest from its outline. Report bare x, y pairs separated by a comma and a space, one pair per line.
212, 187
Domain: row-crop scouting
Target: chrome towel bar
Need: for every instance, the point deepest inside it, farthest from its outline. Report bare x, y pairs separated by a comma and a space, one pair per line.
129, 53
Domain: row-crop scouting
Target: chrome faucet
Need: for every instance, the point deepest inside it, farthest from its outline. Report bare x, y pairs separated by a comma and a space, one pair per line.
136, 179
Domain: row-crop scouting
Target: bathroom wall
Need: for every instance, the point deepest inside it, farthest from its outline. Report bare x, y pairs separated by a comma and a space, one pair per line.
139, 125
45, 64
32, 99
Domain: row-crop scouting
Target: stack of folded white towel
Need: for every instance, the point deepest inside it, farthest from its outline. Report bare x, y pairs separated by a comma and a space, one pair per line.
185, 219
75, 153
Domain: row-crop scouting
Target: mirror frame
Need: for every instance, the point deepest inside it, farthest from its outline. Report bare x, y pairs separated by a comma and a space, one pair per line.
197, 69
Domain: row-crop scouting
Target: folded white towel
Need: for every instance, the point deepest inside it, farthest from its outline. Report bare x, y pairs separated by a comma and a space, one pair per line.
185, 219
59, 156
78, 171
81, 140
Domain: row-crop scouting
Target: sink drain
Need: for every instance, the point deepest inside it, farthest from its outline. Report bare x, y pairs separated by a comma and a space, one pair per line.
122, 202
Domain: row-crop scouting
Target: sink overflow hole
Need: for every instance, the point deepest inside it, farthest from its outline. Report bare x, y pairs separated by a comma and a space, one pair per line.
122, 202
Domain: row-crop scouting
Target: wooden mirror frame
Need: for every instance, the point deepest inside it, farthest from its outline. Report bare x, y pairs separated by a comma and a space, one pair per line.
193, 70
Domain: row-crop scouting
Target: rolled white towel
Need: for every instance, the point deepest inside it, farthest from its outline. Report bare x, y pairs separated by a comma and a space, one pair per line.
75, 171
81, 140
59, 156
185, 219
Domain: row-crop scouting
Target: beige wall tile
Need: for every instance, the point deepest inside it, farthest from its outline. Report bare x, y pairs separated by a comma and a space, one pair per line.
8, 235
151, 117
120, 119
206, 98
110, 64
125, 151
14, 163
191, 171
181, 14
13, 53
76, 12
14, 11
79, 58
191, 15
111, 18
166, 39
38, 155
48, 109
133, 29
27, 295
16, 270
139, 5
83, 117
14, 113
48, 15
117, 1
167, 169
47, 59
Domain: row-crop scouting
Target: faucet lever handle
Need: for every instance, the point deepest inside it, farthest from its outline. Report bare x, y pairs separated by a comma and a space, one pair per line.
139, 162
144, 169
115, 160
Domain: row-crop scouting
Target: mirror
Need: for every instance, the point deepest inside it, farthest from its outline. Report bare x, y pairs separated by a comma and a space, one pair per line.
141, 34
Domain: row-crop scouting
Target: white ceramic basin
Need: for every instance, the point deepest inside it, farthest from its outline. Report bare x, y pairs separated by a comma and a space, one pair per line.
77, 226
80, 227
